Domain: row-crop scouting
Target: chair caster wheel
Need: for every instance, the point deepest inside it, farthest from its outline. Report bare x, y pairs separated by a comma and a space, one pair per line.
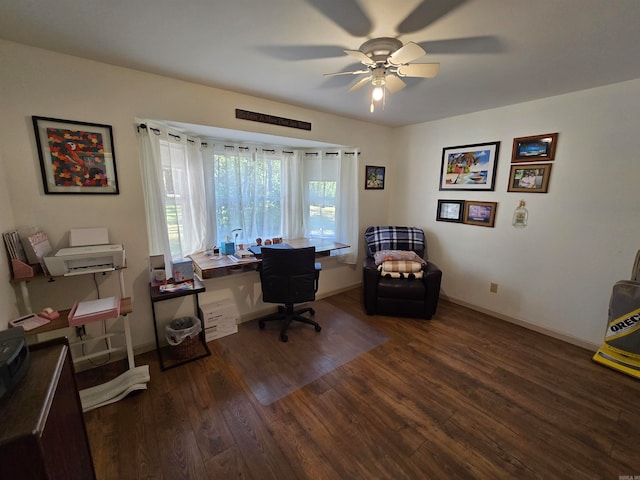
318, 328
283, 337
261, 324
312, 311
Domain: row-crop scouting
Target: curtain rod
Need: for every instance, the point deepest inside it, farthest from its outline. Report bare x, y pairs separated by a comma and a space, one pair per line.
204, 144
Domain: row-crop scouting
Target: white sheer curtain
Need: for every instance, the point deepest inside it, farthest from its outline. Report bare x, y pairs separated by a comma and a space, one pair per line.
293, 218
175, 195
331, 183
248, 194
348, 220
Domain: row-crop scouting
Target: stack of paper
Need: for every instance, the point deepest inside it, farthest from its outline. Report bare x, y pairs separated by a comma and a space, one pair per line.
94, 310
116, 389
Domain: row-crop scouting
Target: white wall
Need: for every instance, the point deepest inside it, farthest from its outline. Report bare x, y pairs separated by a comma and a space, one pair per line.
7, 294
583, 235
42, 83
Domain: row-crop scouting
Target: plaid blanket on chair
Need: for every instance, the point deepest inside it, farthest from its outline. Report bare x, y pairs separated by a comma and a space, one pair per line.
394, 238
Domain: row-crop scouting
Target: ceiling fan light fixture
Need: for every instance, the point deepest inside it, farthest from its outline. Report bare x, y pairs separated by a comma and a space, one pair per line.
377, 94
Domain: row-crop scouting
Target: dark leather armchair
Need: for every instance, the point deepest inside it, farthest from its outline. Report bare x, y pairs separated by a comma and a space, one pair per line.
409, 295
289, 276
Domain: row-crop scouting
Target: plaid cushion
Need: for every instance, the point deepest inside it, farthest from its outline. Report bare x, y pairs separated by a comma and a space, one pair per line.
394, 238
405, 266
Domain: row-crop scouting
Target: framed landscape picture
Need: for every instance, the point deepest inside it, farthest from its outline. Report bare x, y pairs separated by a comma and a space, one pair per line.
480, 213
469, 167
530, 178
75, 157
535, 148
450, 211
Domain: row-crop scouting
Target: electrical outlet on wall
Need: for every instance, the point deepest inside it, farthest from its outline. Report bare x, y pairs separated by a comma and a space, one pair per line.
493, 288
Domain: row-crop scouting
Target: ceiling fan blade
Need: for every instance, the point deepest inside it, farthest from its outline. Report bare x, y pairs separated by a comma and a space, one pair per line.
422, 70
479, 44
361, 83
408, 53
355, 72
360, 56
426, 13
347, 14
394, 84
302, 52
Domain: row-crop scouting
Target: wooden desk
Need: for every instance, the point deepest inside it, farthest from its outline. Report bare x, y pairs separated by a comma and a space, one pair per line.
208, 266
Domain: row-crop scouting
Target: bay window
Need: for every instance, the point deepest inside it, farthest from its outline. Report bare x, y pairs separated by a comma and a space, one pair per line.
199, 192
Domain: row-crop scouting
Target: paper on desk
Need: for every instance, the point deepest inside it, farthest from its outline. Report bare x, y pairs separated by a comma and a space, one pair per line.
96, 306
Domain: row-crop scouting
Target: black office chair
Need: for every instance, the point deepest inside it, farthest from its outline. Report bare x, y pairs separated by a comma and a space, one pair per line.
289, 276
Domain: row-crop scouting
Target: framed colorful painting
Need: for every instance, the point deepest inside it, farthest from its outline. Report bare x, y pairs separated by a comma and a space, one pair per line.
469, 167
75, 157
374, 179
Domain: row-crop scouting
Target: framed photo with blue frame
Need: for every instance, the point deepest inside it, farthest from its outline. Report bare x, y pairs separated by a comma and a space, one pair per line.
374, 178
469, 167
536, 148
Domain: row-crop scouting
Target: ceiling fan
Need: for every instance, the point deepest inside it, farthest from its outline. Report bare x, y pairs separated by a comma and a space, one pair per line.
386, 60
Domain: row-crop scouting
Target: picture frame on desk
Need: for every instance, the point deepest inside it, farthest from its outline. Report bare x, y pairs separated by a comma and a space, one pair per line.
75, 157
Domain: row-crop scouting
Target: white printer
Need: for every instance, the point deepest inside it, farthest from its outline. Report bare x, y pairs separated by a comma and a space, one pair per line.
88, 258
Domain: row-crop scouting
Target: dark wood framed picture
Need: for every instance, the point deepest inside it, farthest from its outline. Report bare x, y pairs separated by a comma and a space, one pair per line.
450, 211
535, 148
530, 178
469, 167
374, 178
75, 157
480, 213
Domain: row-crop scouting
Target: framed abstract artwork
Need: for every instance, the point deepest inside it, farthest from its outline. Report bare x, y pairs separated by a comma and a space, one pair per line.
75, 157
469, 167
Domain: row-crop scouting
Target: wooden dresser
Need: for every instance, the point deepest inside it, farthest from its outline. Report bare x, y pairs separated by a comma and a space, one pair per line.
42, 430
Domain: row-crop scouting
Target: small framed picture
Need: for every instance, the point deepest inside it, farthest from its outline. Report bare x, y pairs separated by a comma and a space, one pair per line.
480, 213
75, 157
530, 178
535, 148
450, 211
374, 179
469, 167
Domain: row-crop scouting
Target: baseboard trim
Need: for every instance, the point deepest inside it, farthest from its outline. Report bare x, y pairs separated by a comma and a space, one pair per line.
531, 326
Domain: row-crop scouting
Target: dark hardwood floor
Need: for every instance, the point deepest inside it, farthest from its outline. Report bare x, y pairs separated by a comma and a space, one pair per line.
464, 395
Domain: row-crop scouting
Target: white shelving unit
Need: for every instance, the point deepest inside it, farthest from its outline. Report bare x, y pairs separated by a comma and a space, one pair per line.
135, 378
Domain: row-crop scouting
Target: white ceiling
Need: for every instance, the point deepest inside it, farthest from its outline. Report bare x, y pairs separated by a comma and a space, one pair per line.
492, 52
